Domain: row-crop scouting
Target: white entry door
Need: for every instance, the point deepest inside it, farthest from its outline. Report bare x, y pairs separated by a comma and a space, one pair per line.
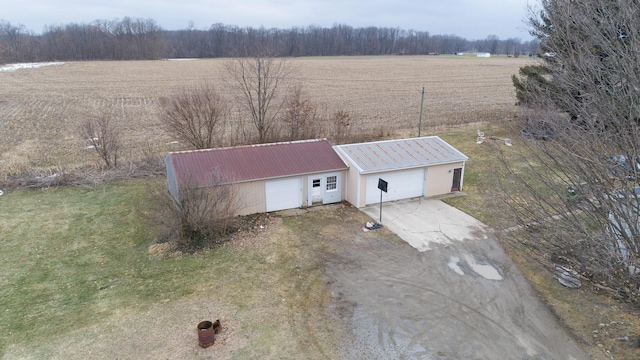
402, 185
316, 191
332, 190
325, 189
284, 194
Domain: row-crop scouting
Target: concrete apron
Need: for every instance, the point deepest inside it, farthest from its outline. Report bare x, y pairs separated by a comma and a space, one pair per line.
427, 223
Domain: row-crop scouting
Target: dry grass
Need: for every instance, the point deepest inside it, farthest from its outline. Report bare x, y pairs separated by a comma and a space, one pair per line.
604, 327
85, 284
41, 109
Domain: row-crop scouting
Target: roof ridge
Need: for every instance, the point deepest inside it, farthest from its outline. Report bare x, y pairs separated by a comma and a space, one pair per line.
249, 146
390, 140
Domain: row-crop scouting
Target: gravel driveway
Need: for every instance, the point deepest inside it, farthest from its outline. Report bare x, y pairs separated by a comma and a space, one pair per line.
453, 294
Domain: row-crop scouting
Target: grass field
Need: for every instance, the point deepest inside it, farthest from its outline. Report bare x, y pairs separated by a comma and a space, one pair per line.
78, 281
41, 109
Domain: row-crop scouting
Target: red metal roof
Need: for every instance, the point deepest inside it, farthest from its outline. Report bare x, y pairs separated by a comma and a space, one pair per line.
254, 162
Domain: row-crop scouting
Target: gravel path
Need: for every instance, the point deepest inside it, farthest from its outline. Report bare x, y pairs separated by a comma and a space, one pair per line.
459, 300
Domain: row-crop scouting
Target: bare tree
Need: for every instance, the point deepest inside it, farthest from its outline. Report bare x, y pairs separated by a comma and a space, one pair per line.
103, 136
196, 116
256, 83
299, 114
198, 215
16, 38
340, 123
577, 189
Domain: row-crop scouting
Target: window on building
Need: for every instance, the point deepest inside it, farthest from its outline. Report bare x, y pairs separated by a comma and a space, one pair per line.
316, 182
332, 182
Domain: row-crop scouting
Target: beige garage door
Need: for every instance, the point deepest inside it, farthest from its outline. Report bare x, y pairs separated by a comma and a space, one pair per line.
402, 185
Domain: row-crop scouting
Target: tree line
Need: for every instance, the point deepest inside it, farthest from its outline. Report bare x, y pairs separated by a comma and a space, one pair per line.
143, 39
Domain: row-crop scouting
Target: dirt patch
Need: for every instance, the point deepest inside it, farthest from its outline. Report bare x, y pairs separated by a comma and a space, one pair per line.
160, 250
252, 232
255, 231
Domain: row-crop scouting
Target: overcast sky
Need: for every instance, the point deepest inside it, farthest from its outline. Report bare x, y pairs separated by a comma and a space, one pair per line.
471, 19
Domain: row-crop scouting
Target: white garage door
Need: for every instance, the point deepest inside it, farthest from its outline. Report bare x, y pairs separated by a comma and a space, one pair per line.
284, 194
402, 185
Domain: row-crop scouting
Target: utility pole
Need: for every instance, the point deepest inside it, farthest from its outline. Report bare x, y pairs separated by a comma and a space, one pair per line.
421, 103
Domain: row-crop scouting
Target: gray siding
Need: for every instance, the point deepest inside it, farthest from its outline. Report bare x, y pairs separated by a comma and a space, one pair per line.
171, 179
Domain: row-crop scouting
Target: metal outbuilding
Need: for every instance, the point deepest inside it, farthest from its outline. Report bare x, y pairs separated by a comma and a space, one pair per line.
269, 177
414, 167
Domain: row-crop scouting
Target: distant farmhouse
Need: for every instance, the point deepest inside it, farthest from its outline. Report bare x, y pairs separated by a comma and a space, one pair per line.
472, 53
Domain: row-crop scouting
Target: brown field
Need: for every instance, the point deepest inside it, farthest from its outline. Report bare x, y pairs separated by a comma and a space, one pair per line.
41, 108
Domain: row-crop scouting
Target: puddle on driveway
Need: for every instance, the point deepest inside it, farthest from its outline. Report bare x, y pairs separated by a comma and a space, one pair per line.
485, 270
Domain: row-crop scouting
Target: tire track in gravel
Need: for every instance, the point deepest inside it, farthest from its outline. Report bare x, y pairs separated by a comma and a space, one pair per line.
407, 305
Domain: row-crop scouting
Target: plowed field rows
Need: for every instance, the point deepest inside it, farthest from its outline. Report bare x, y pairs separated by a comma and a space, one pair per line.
41, 108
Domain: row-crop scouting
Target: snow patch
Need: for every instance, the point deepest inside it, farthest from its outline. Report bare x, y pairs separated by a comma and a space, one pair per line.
454, 265
14, 67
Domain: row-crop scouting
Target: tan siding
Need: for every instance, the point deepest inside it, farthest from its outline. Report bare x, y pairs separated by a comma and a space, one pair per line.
440, 179
350, 178
252, 196
353, 177
363, 190
343, 185
305, 190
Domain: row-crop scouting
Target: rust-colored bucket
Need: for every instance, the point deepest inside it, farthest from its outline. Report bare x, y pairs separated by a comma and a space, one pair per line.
206, 334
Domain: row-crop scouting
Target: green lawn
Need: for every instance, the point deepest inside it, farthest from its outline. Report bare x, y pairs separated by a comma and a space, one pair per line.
69, 255
78, 257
